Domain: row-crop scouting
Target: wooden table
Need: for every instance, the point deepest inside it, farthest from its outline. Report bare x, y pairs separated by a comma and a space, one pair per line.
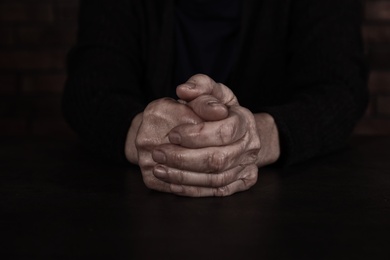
58, 202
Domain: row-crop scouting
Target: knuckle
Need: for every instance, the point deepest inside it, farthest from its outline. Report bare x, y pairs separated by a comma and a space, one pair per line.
226, 95
217, 161
153, 106
162, 101
202, 79
145, 162
195, 192
255, 143
217, 180
250, 157
244, 111
139, 142
198, 130
176, 158
198, 192
144, 141
226, 133
157, 107
222, 191
251, 176
150, 182
179, 177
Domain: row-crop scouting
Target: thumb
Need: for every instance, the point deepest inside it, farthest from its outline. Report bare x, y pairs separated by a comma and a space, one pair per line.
201, 84
209, 108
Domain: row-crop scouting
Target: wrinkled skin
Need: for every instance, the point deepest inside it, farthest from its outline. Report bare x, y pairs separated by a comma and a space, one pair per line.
204, 145
158, 119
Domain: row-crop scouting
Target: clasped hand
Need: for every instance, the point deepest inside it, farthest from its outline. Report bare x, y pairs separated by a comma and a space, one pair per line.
205, 144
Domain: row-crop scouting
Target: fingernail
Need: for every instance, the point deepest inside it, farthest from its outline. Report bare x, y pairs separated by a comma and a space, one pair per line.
160, 171
213, 103
175, 138
176, 188
159, 157
190, 85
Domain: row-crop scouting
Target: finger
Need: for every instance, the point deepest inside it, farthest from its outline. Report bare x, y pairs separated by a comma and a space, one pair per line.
159, 118
209, 108
242, 184
201, 84
208, 134
154, 183
195, 86
205, 160
186, 178
159, 112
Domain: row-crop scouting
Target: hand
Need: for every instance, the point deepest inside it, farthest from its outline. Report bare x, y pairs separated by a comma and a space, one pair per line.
201, 87
150, 129
158, 119
214, 158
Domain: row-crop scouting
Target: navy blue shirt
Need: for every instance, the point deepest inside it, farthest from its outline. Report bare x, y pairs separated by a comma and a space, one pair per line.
206, 37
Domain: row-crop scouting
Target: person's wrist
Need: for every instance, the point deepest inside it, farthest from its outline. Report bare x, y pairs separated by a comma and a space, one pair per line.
131, 152
269, 139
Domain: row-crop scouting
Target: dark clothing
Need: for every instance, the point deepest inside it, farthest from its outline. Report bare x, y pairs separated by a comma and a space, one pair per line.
206, 38
299, 60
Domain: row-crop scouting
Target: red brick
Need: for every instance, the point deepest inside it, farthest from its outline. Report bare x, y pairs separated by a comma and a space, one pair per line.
13, 126
14, 106
7, 36
379, 82
8, 105
373, 126
17, 60
49, 35
46, 106
371, 107
67, 11
379, 57
383, 105
376, 33
17, 12
38, 84
8, 84
377, 10
51, 127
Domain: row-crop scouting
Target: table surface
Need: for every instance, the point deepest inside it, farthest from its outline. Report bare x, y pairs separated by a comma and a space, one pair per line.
58, 202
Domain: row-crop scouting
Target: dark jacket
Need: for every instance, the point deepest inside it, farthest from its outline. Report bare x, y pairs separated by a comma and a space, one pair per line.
299, 60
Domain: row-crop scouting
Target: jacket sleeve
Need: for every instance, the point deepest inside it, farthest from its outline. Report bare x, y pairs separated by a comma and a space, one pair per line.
328, 74
103, 90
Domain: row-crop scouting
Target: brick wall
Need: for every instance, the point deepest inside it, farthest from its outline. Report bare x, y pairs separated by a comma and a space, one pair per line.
36, 35
34, 39
376, 33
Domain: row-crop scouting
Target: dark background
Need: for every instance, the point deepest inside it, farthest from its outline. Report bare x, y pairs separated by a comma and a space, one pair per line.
36, 35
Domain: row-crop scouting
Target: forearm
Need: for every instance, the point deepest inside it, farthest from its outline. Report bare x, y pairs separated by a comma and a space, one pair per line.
325, 89
269, 139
